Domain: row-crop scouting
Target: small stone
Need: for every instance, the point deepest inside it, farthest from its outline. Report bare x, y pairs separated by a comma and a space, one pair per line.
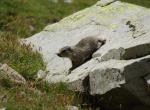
32, 28
41, 74
68, 1
12, 75
4, 108
70, 107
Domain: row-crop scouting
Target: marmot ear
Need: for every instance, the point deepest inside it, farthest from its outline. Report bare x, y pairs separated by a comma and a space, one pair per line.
104, 41
68, 48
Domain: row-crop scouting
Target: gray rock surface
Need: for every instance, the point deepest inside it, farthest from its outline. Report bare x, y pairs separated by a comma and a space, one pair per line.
105, 2
4, 108
99, 78
123, 60
68, 1
41, 75
69, 107
113, 73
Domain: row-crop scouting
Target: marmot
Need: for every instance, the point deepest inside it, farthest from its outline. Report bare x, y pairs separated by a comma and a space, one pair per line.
82, 51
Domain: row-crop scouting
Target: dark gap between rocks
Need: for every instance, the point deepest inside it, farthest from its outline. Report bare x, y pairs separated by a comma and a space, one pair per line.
116, 99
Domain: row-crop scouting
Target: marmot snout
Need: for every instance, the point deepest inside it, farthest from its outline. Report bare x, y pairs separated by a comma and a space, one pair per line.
65, 52
82, 51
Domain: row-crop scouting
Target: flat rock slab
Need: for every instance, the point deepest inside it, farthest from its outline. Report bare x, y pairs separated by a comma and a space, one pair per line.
124, 59
110, 22
108, 75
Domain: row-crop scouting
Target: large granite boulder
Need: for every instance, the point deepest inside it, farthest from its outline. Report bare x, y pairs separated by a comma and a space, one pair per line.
123, 60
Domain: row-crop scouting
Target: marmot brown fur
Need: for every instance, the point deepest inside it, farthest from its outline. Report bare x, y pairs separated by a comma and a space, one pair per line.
82, 51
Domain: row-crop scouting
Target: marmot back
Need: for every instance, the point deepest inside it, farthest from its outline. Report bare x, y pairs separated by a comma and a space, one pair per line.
82, 51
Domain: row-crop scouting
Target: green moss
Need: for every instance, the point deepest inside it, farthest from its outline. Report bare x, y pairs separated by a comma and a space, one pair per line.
104, 15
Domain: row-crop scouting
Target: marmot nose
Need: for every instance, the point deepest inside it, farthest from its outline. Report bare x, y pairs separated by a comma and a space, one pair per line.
58, 54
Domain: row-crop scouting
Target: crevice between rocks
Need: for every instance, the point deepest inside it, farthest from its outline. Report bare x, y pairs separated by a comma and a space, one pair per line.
131, 95
104, 3
116, 99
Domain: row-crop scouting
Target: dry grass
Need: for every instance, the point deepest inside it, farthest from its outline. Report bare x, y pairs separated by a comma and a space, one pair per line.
36, 96
21, 19
19, 57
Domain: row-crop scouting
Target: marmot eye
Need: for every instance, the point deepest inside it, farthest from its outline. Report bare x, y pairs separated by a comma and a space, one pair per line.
63, 51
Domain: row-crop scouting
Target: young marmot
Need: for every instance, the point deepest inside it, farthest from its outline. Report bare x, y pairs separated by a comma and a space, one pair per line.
82, 51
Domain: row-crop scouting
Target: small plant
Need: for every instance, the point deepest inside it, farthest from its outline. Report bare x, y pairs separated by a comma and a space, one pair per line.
5, 82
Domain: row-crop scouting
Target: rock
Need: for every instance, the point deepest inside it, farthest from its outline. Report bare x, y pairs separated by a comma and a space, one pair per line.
4, 108
123, 62
69, 107
11, 75
32, 28
108, 22
103, 3
147, 78
105, 76
3, 98
55, 78
41, 74
68, 1
55, 1
112, 74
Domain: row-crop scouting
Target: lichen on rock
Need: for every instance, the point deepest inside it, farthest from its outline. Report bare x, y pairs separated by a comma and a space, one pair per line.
119, 62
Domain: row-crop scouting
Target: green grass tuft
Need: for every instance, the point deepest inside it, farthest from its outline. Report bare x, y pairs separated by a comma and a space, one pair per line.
34, 97
21, 58
21, 19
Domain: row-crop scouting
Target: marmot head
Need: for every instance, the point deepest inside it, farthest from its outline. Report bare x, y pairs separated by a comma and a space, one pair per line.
65, 52
102, 41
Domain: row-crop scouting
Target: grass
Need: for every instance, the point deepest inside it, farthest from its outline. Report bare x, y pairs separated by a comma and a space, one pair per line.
144, 3
36, 96
21, 19
24, 18
21, 58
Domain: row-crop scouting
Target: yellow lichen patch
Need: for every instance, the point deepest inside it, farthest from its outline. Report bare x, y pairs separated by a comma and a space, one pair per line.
103, 15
